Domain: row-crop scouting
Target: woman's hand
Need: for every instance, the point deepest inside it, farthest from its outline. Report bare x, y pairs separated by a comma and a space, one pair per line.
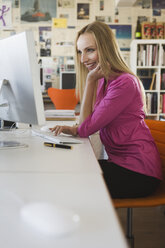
95, 74
90, 92
65, 129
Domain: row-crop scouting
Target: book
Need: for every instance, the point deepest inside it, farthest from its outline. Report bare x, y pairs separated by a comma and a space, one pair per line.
163, 55
152, 86
144, 56
148, 103
60, 114
148, 55
155, 56
154, 103
162, 86
163, 106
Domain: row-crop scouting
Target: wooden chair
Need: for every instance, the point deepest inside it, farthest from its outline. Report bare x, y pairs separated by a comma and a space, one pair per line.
157, 129
63, 98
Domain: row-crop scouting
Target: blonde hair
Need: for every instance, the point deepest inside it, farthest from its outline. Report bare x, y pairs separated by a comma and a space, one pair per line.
110, 58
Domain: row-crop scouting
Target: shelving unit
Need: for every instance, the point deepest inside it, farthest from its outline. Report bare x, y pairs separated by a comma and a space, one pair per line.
147, 60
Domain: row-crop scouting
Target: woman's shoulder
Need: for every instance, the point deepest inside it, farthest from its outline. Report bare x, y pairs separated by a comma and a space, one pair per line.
125, 75
124, 78
125, 82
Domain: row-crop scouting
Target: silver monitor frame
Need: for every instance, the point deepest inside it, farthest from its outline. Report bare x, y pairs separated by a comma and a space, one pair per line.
20, 92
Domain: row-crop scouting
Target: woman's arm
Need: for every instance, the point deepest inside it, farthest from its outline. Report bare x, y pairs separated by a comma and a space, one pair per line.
119, 95
87, 102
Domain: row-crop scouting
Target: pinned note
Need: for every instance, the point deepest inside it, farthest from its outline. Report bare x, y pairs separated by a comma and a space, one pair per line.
59, 22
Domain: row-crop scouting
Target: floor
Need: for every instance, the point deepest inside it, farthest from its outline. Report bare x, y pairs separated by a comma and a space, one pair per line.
148, 226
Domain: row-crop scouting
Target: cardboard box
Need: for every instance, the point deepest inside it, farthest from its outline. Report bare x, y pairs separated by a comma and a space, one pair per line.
159, 30
153, 30
146, 30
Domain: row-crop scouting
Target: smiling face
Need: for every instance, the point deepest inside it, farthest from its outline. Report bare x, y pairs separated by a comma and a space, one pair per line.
87, 50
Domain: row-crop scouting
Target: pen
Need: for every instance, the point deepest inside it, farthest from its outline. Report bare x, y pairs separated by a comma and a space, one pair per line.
57, 145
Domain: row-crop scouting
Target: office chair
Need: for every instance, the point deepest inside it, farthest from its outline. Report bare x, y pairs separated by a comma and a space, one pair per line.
157, 129
63, 98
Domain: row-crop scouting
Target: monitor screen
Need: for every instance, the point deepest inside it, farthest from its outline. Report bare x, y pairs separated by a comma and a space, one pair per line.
20, 90
67, 80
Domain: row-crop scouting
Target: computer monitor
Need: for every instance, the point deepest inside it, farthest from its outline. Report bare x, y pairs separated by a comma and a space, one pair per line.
67, 80
20, 90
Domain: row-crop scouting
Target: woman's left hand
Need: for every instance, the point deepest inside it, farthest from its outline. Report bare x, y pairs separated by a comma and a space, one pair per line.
95, 74
65, 129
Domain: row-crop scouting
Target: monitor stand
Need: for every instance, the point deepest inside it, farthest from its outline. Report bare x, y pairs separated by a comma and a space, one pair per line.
3, 104
2, 83
7, 125
11, 144
7, 144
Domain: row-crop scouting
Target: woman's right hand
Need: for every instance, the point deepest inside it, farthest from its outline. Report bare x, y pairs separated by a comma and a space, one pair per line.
64, 129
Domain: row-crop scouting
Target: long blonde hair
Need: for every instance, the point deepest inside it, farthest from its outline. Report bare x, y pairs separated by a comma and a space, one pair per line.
108, 53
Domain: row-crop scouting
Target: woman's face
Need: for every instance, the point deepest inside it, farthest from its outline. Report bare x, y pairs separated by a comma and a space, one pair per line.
87, 51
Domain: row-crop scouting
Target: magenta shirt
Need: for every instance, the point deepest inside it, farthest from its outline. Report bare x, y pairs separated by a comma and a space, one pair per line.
118, 115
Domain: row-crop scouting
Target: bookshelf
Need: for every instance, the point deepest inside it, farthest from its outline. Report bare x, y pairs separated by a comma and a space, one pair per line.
147, 60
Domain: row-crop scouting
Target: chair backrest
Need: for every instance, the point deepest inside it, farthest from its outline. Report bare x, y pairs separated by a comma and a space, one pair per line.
63, 98
157, 129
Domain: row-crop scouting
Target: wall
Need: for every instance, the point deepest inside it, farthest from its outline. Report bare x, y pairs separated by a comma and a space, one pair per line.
55, 46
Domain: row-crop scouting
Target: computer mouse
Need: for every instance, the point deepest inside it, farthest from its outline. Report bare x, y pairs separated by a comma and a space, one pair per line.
45, 129
49, 219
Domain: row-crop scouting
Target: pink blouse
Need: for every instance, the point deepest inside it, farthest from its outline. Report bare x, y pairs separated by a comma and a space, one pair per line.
118, 115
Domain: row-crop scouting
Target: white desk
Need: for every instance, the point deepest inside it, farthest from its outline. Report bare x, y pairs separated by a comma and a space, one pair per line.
39, 158
71, 178
85, 194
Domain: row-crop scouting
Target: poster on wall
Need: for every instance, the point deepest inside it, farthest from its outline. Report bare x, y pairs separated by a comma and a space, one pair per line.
66, 3
5, 15
123, 35
83, 11
101, 4
158, 4
15, 3
45, 41
37, 11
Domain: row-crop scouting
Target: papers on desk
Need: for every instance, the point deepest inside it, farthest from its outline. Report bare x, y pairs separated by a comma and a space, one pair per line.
60, 114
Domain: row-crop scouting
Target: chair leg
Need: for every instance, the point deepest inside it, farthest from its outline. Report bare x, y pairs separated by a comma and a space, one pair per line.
130, 236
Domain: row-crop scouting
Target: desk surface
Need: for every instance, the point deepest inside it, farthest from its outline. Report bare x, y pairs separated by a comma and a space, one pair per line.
84, 194
71, 178
39, 158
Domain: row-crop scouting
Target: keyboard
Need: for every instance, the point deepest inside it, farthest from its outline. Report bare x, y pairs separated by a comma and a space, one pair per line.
61, 139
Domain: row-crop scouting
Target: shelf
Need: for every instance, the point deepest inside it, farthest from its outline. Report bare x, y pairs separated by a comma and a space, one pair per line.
147, 67
146, 60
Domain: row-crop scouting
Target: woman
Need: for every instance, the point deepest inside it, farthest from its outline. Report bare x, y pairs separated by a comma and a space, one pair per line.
113, 102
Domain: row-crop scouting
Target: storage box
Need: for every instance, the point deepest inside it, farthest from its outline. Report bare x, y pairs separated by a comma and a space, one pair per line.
159, 30
146, 30
153, 30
